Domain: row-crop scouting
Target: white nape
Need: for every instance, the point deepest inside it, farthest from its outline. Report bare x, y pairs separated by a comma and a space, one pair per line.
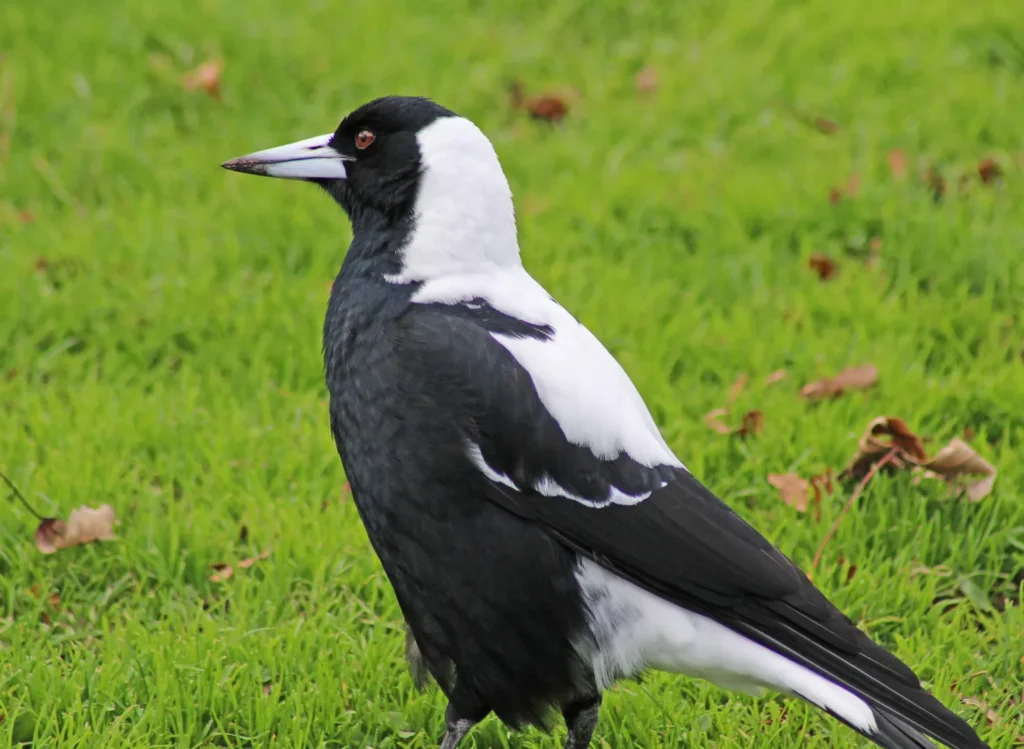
635, 629
464, 219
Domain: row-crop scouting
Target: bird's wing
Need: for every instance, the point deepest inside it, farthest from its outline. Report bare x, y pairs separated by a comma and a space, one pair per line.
563, 439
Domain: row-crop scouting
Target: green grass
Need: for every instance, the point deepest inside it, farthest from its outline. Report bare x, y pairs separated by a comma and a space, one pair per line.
165, 358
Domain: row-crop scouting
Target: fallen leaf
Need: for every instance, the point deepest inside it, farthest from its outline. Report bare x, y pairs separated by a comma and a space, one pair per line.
737, 388
989, 171
825, 125
823, 265
777, 376
882, 435
854, 378
713, 421
222, 572
548, 107
953, 463
26, 217
898, 163
835, 196
751, 423
646, 81
247, 563
793, 489
83, 526
205, 77
957, 460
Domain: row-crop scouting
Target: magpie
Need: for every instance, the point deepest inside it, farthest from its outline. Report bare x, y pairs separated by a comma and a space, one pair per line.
542, 539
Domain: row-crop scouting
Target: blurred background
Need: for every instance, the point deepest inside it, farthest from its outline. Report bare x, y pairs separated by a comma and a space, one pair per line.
722, 191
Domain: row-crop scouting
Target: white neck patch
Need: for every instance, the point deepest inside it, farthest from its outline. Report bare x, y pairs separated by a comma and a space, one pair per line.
464, 219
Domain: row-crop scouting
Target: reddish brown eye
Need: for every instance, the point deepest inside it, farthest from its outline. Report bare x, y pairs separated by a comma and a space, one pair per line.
364, 139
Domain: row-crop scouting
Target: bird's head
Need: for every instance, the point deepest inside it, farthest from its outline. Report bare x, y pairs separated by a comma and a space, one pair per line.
407, 161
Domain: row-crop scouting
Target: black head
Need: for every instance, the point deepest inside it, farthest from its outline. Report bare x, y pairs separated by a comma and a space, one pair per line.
371, 164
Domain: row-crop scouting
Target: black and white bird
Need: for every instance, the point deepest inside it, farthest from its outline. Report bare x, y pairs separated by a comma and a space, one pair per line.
542, 538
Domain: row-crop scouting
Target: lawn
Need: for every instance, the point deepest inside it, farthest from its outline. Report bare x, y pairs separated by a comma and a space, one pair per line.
160, 325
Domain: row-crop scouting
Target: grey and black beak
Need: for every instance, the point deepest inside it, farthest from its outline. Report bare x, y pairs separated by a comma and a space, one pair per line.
312, 158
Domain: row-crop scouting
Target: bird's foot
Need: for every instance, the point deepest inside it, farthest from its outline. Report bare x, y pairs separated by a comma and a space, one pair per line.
456, 728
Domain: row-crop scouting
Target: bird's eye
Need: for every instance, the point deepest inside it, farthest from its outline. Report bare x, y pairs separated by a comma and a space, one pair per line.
364, 139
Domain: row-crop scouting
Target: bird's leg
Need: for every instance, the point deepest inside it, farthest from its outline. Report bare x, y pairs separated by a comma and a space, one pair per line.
456, 728
581, 720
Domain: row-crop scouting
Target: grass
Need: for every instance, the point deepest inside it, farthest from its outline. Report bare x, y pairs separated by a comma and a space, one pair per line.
160, 324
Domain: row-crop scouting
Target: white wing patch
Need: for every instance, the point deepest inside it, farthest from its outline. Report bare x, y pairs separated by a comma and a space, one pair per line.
580, 384
547, 486
635, 629
475, 455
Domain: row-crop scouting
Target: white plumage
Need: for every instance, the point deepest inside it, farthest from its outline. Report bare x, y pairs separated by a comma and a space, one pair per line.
635, 629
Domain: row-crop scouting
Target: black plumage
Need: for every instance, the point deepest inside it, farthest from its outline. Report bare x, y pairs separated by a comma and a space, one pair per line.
541, 538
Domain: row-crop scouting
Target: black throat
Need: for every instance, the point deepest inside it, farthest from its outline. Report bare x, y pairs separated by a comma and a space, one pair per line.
362, 300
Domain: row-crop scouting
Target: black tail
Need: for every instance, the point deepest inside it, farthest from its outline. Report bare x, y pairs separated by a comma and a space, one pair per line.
904, 712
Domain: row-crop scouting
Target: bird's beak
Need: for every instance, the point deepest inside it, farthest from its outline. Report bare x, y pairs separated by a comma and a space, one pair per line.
311, 158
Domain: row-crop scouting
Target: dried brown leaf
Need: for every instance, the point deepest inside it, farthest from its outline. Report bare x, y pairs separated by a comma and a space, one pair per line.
777, 376
751, 423
854, 378
835, 196
26, 217
222, 572
953, 463
823, 265
794, 490
646, 81
898, 163
205, 77
737, 388
247, 563
989, 171
713, 421
882, 435
83, 526
957, 460
549, 108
